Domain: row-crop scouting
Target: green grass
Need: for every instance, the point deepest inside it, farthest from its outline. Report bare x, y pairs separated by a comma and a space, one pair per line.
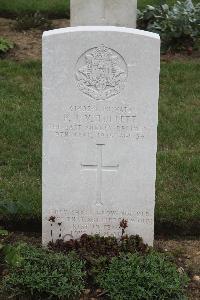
20, 139
54, 8
178, 168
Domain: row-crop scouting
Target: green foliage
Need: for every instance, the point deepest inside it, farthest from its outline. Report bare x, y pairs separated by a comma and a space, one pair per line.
12, 255
32, 20
5, 46
43, 274
143, 3
98, 251
53, 8
3, 232
178, 25
143, 278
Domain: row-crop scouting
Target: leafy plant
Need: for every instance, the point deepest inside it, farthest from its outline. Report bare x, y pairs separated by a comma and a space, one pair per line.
3, 232
178, 25
146, 277
32, 20
13, 255
98, 251
5, 46
43, 274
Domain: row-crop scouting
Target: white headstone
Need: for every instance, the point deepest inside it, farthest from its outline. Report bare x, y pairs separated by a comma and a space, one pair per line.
100, 114
104, 12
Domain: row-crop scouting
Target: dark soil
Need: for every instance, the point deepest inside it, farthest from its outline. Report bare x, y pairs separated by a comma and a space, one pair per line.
28, 44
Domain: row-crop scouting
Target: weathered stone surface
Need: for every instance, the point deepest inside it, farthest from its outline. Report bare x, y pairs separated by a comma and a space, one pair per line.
100, 113
104, 12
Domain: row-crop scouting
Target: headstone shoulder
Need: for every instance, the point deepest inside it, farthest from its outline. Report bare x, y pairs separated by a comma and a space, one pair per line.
101, 29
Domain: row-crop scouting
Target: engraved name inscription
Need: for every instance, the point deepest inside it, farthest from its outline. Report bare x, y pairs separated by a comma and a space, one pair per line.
96, 121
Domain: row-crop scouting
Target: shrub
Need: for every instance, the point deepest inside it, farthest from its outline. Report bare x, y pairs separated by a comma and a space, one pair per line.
32, 20
98, 251
5, 46
178, 25
149, 277
42, 274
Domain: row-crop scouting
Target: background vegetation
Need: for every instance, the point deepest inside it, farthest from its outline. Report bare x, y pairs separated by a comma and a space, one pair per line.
5, 46
178, 167
54, 8
178, 160
178, 25
35, 273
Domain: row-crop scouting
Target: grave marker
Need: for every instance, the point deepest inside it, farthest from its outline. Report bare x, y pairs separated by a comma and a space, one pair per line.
100, 114
104, 12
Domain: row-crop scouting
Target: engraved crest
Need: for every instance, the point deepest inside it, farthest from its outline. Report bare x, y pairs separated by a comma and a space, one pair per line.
101, 73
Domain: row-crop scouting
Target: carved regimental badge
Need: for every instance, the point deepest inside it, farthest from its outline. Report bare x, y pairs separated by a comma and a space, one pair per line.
101, 73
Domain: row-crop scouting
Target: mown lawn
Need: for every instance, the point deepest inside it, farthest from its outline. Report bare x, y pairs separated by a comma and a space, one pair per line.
178, 168
20, 140
178, 163
54, 8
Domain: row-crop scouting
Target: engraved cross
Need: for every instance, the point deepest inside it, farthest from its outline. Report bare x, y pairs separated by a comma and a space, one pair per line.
100, 168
